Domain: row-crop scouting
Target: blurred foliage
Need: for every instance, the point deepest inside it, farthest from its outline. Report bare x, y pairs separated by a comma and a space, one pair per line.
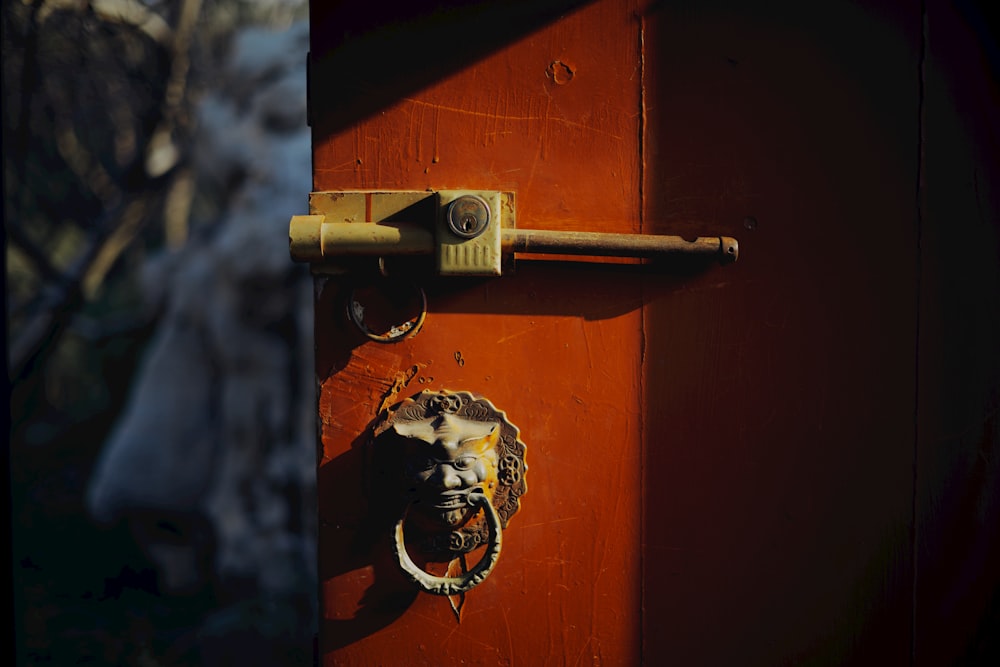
98, 116
97, 124
83, 96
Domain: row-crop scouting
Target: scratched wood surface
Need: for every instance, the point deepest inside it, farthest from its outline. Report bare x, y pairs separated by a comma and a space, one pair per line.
791, 460
555, 117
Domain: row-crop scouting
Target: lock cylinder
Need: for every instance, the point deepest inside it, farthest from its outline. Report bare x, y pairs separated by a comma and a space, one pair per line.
468, 216
469, 236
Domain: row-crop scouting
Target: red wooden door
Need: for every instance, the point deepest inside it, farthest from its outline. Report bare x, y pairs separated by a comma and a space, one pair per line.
555, 346
721, 462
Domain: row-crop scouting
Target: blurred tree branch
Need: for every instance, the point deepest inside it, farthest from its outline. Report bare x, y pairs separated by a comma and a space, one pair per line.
53, 314
95, 127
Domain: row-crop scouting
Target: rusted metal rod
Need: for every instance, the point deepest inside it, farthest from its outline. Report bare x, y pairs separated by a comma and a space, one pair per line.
617, 245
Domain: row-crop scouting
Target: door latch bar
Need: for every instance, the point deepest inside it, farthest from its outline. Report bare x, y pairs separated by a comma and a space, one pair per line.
473, 233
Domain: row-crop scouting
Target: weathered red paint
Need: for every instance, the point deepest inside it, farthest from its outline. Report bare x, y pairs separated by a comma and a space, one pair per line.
556, 347
747, 465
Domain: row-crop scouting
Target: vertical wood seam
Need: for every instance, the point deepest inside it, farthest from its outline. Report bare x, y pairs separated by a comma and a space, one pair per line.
642, 342
919, 196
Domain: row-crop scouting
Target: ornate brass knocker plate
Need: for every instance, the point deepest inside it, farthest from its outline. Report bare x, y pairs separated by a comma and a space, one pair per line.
462, 475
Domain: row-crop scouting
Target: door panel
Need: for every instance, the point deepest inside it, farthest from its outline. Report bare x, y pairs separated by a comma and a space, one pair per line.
722, 462
780, 428
556, 346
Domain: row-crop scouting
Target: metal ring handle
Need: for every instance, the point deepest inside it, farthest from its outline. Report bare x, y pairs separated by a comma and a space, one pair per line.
435, 585
408, 329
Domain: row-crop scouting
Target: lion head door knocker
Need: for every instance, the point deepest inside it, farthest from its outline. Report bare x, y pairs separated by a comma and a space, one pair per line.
461, 471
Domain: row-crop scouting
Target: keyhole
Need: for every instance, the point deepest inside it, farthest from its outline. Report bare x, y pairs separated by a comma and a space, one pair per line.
468, 216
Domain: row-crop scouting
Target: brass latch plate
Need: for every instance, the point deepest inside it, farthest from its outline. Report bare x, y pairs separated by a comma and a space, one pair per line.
461, 227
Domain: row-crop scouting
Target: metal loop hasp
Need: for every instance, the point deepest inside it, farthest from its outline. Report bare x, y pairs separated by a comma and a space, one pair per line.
436, 585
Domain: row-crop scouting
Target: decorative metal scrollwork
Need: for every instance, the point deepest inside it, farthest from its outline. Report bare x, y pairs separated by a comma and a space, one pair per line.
461, 468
